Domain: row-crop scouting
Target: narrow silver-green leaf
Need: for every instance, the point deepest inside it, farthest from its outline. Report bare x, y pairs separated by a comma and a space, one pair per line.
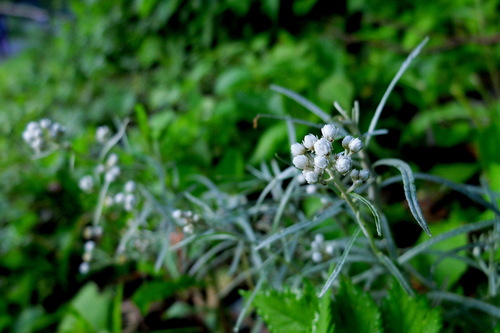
409, 188
373, 210
302, 101
398, 75
425, 246
341, 263
467, 302
396, 273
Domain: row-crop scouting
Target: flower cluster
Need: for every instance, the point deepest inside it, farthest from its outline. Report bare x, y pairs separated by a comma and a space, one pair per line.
186, 219
315, 157
320, 248
127, 197
110, 169
40, 134
90, 233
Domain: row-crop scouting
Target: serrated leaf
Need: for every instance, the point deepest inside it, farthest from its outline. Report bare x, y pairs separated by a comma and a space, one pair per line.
409, 188
403, 313
287, 311
354, 311
324, 322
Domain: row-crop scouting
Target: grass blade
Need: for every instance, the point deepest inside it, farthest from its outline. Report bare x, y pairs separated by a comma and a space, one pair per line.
467, 302
341, 263
409, 188
396, 78
425, 246
373, 210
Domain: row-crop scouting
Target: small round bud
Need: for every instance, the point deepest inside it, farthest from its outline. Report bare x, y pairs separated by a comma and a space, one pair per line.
322, 147
129, 186
301, 161
87, 256
84, 268
112, 174
317, 256
89, 246
476, 251
97, 231
112, 160
129, 202
355, 174
86, 183
346, 141
329, 132
102, 134
343, 164
188, 229
177, 214
329, 248
311, 189
319, 238
355, 145
321, 162
45, 123
364, 175
119, 198
298, 149
311, 177
309, 141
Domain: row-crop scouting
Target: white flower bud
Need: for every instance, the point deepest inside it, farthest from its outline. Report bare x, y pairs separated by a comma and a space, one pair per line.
301, 179
129, 186
87, 256
119, 197
188, 229
177, 214
101, 134
355, 145
309, 141
301, 161
329, 248
45, 123
84, 268
310, 189
364, 175
311, 177
86, 183
32, 126
329, 132
321, 162
129, 202
343, 164
89, 246
346, 141
100, 168
56, 131
112, 174
355, 174
112, 160
298, 149
108, 201
476, 251
319, 238
97, 231
317, 256
322, 147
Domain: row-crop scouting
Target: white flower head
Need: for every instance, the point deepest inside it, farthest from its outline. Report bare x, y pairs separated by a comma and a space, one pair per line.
112, 160
317, 256
45, 123
311, 189
89, 246
102, 133
129, 186
311, 176
329, 248
301, 161
321, 162
119, 198
319, 238
309, 141
177, 214
364, 175
346, 141
112, 174
322, 147
343, 164
329, 132
188, 229
86, 183
129, 202
355, 145
84, 267
298, 149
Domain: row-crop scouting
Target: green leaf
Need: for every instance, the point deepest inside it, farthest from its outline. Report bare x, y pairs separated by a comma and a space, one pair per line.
373, 210
142, 121
302, 7
287, 311
324, 323
409, 188
337, 88
355, 311
230, 79
403, 313
269, 143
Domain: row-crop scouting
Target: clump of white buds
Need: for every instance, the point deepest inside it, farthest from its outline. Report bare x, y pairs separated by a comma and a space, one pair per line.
127, 198
321, 249
102, 134
187, 219
40, 135
110, 169
315, 156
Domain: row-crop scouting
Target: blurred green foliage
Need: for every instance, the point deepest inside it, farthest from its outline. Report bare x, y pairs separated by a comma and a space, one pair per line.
192, 76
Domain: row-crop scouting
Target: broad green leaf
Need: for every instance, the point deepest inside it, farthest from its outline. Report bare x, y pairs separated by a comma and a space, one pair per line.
355, 311
403, 313
286, 311
302, 7
337, 88
229, 80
